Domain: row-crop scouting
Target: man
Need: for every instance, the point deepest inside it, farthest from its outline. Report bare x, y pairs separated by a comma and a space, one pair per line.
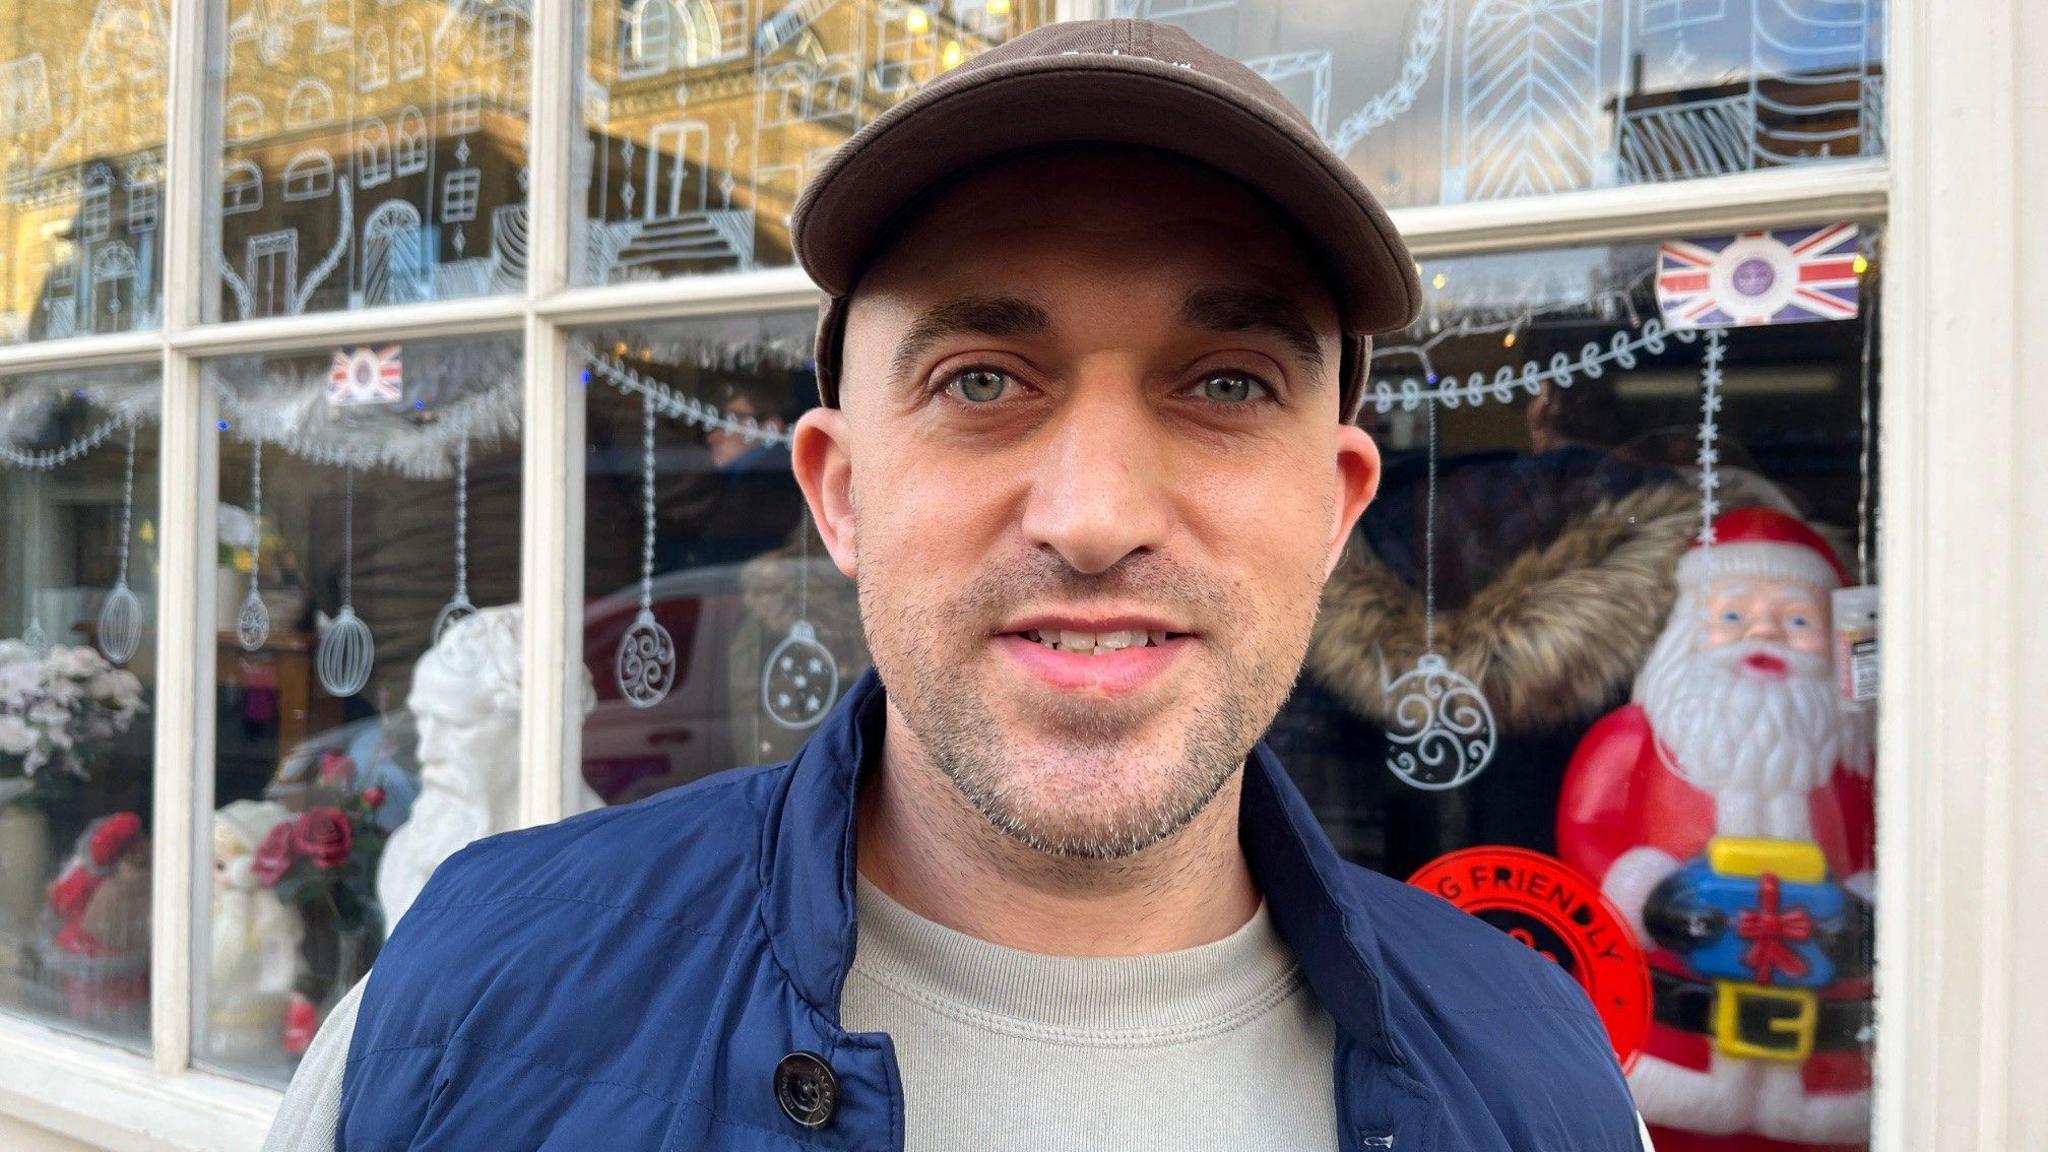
1726, 812
1085, 448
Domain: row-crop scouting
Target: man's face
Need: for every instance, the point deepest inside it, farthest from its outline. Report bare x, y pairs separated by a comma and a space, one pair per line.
1089, 476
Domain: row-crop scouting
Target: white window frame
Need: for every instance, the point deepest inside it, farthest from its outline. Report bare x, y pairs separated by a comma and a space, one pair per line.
1965, 492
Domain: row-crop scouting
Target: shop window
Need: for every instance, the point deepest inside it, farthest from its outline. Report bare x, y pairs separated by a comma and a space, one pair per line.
1524, 650
685, 638
347, 85
369, 696
77, 678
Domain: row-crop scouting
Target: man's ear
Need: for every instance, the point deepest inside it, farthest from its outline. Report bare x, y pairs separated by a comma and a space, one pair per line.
822, 456
1358, 479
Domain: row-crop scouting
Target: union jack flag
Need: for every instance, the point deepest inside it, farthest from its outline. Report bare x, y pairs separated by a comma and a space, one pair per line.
366, 376
1789, 276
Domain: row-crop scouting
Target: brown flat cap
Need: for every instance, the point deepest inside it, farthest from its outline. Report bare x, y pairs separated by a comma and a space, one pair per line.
1110, 82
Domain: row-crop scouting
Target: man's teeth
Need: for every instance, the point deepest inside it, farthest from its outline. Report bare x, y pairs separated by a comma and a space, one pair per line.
1095, 643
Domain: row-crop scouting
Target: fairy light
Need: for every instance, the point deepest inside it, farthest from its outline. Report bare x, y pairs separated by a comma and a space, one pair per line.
1861, 264
1440, 281
950, 57
915, 19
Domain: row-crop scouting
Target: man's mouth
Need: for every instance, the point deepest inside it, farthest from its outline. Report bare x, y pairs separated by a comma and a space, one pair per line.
1099, 643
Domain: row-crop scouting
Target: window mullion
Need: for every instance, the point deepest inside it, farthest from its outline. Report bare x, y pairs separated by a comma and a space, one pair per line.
187, 461
551, 576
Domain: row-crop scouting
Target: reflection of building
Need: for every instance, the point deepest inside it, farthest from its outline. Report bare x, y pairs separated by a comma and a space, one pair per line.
374, 154
1756, 123
708, 115
81, 148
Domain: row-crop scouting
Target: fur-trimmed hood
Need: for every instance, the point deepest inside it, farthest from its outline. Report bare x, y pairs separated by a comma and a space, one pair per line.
1552, 641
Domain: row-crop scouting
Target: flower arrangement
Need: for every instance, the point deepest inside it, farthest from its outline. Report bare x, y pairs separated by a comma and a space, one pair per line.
329, 853
56, 710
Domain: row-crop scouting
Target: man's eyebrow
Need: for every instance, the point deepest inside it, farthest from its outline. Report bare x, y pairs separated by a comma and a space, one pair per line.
1231, 309
975, 315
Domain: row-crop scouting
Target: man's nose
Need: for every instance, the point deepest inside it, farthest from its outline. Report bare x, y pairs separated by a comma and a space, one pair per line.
1100, 491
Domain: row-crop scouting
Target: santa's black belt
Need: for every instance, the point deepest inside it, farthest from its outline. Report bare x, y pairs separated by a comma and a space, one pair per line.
1766, 1021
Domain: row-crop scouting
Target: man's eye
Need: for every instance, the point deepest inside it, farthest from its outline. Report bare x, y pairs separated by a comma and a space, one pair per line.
1231, 388
979, 385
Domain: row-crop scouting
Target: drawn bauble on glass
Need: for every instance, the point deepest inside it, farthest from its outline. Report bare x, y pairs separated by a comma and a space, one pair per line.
801, 682
252, 622
38, 641
458, 606
120, 628
347, 653
1440, 731
647, 661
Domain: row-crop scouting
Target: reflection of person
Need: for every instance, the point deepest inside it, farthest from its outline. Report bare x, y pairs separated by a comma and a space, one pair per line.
465, 702
1719, 812
1086, 414
255, 956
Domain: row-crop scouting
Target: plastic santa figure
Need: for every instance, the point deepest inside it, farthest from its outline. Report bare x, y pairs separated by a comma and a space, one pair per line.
100, 950
1724, 812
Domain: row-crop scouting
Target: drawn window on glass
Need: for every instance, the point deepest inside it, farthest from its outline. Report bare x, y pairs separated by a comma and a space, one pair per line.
396, 269
142, 207
273, 273
375, 71
646, 36
459, 192
309, 176
24, 94
501, 34
464, 109
96, 211
311, 102
373, 155
243, 118
412, 51
241, 188
412, 142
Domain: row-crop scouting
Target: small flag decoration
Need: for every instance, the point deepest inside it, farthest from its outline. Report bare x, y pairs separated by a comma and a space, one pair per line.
1786, 276
366, 376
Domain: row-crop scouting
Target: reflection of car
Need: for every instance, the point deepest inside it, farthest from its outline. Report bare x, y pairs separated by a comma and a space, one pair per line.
712, 717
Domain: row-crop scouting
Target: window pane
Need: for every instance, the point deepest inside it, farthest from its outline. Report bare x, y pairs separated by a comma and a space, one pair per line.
78, 581
703, 124
369, 503
1519, 650
1464, 100
716, 630
374, 154
81, 169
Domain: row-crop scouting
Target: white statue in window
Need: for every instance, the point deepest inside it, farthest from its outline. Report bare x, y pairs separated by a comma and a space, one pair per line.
465, 701
256, 938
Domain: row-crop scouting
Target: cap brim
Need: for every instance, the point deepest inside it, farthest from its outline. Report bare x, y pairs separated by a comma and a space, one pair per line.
1115, 99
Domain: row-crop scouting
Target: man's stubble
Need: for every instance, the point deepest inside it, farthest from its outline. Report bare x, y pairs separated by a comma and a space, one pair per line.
920, 647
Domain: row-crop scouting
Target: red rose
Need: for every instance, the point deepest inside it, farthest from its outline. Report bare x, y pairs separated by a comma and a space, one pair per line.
325, 836
274, 856
374, 797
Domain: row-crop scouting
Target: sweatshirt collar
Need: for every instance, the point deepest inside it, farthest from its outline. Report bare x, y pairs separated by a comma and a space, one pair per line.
808, 860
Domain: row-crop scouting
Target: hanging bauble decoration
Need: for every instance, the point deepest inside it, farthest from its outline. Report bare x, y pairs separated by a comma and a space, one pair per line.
348, 651
1440, 731
458, 606
646, 665
120, 629
800, 681
252, 623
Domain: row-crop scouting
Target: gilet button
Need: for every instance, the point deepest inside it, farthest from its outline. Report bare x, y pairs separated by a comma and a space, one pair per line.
806, 1088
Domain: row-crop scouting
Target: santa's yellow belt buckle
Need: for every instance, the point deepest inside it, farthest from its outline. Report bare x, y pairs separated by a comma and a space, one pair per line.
1761, 1023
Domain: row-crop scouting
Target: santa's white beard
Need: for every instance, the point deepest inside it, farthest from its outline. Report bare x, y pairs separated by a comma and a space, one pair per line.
1752, 741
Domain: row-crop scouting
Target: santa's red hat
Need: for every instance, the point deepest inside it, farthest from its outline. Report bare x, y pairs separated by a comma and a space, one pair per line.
112, 836
1765, 542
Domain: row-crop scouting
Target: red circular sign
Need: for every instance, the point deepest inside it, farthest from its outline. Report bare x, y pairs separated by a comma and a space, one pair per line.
1542, 902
